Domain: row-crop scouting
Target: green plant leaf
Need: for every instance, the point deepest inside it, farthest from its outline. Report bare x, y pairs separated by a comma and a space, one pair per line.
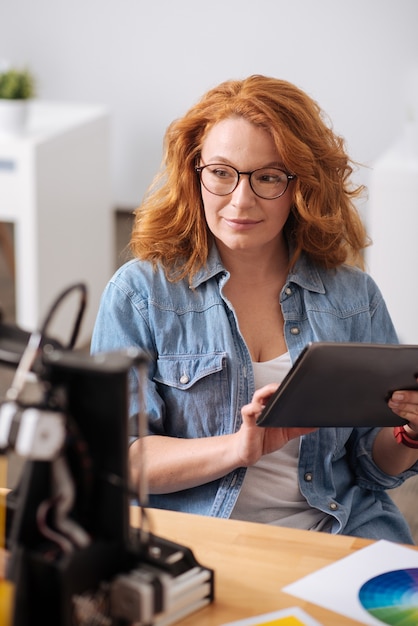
17, 85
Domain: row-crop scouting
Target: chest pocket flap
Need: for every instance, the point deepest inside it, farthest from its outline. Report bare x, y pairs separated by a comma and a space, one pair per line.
184, 370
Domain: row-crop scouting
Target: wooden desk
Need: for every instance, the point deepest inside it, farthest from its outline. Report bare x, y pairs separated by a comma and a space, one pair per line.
252, 563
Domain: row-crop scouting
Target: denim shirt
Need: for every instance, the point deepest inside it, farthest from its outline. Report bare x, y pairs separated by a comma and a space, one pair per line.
201, 374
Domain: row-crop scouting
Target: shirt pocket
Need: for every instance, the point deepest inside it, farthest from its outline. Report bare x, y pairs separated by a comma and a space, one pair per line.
195, 392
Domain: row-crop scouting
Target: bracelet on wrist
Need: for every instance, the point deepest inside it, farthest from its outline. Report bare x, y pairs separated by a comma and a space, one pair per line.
403, 438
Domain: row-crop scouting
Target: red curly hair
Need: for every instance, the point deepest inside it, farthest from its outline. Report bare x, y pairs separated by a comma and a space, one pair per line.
170, 226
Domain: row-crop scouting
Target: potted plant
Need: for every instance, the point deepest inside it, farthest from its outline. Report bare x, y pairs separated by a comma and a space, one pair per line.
17, 87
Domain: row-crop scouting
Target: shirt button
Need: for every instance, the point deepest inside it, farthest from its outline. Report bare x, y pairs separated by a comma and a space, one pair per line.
333, 506
288, 291
308, 477
184, 379
294, 330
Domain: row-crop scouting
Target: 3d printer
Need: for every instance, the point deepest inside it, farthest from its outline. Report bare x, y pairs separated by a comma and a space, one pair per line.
74, 558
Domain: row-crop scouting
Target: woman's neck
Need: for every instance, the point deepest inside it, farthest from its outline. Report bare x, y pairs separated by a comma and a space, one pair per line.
255, 265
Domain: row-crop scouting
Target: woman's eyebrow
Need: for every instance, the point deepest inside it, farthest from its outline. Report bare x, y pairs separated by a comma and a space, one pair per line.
221, 159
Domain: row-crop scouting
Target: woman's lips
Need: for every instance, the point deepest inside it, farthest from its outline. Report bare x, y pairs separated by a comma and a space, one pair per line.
241, 224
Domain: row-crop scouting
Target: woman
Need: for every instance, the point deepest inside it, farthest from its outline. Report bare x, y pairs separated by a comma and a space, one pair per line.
245, 250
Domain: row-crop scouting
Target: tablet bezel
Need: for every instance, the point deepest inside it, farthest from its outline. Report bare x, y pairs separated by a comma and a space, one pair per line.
335, 384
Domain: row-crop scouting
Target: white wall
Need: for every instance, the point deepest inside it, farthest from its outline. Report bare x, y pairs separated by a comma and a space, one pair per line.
150, 60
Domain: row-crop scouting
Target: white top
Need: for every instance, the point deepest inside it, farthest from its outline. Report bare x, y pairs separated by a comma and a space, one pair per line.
270, 492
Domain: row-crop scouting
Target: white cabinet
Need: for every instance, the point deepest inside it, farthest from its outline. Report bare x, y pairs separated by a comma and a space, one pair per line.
393, 224
55, 189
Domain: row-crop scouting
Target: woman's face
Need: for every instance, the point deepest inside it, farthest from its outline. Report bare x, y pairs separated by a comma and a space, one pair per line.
242, 220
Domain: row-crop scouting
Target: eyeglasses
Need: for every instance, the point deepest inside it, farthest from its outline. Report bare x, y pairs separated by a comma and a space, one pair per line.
267, 182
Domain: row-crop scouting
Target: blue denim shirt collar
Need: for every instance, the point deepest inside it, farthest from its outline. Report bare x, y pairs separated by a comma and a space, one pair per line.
304, 273
213, 267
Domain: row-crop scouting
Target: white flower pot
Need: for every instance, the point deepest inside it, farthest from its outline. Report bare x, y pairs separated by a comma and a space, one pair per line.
13, 117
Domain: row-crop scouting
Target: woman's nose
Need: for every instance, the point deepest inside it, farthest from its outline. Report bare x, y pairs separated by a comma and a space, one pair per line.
243, 191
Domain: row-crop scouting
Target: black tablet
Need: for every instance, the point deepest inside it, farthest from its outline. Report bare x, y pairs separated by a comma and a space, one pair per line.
342, 384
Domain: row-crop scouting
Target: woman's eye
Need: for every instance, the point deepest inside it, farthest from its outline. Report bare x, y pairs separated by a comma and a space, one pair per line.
221, 173
271, 179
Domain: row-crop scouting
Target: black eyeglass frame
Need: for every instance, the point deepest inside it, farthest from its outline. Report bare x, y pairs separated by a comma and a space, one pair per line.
290, 177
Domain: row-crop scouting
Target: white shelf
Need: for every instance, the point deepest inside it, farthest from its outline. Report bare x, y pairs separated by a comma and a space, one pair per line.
55, 188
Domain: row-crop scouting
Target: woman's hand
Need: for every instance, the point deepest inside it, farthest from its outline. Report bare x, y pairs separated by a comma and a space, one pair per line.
391, 457
255, 441
405, 404
173, 464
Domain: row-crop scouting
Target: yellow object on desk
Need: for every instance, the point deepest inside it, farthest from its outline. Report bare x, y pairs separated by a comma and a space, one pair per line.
6, 587
6, 602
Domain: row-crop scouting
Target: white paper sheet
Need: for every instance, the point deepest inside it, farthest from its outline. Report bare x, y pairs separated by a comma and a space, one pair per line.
336, 587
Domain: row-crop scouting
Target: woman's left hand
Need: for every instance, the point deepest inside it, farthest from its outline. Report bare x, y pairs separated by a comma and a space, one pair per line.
392, 458
405, 404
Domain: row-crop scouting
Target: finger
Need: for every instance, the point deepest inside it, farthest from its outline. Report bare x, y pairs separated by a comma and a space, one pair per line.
251, 411
264, 393
406, 411
404, 395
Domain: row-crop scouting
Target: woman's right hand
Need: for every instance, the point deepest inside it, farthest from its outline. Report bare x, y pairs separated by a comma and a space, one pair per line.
173, 464
254, 441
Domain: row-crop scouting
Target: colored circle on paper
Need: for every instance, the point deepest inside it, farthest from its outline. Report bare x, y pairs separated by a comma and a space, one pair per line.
392, 597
